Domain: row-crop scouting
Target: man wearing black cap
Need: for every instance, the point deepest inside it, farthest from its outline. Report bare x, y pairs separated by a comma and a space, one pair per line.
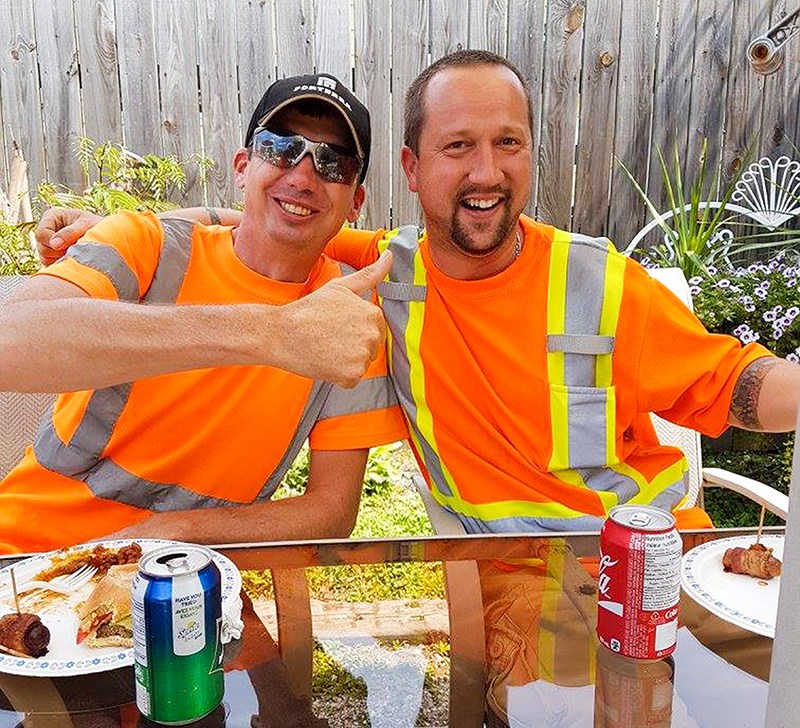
196, 456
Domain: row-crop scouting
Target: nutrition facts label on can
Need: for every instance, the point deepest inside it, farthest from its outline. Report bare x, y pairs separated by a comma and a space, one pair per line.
662, 576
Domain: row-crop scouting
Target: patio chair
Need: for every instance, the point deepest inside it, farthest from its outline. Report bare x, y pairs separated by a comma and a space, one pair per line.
20, 414
466, 615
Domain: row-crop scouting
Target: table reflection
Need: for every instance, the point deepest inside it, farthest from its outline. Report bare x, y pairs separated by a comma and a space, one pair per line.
397, 663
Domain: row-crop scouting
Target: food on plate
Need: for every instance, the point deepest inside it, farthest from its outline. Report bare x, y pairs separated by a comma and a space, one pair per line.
105, 616
24, 632
101, 557
756, 560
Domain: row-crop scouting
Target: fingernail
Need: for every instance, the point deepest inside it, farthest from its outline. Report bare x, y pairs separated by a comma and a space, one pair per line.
56, 242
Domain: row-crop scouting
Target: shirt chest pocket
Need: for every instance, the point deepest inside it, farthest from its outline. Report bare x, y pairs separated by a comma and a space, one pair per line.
582, 426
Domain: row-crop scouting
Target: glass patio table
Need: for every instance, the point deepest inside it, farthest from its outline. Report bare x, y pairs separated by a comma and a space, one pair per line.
339, 653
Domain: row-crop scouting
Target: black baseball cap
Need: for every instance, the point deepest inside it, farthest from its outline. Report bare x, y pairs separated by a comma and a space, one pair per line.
320, 86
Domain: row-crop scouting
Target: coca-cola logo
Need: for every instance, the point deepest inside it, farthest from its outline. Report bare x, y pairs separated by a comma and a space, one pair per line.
604, 580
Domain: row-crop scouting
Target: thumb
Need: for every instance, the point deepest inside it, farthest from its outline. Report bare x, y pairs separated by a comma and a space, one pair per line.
367, 278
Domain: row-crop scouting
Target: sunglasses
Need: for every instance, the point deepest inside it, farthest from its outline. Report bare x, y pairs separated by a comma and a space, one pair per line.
332, 164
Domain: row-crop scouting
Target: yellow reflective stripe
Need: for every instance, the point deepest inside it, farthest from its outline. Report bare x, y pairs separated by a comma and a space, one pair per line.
506, 509
662, 481
609, 316
611, 425
413, 337
550, 600
608, 498
383, 244
556, 315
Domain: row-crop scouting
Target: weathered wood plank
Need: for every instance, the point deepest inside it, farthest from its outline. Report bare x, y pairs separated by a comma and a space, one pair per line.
138, 73
595, 157
332, 44
19, 84
180, 120
255, 52
526, 49
488, 21
672, 101
97, 46
409, 56
295, 38
634, 111
220, 103
372, 78
57, 54
709, 85
745, 88
781, 93
560, 109
449, 29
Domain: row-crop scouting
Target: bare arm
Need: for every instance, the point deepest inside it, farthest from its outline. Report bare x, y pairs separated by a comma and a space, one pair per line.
767, 396
53, 338
327, 509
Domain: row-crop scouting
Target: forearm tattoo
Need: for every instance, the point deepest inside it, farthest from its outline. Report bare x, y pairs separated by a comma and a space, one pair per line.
213, 215
744, 405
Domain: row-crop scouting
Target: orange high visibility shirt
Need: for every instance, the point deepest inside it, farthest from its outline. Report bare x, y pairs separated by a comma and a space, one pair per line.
218, 432
486, 384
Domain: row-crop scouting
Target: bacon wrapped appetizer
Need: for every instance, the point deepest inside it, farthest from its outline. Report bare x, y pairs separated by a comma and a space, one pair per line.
24, 633
756, 560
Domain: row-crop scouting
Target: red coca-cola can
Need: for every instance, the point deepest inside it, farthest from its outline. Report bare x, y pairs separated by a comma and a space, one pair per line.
639, 582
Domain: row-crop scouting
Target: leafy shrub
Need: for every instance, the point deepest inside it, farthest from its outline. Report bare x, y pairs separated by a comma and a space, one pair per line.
117, 179
731, 510
759, 302
377, 479
17, 256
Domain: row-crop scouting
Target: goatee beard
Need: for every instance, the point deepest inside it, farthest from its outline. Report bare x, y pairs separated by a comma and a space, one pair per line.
466, 242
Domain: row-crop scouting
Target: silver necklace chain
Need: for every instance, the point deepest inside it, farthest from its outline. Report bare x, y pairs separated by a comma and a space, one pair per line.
518, 244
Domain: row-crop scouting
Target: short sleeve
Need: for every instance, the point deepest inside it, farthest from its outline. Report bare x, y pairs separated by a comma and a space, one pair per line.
116, 259
687, 375
356, 248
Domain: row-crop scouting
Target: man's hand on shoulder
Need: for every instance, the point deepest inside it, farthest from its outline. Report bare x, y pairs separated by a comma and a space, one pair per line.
59, 228
340, 332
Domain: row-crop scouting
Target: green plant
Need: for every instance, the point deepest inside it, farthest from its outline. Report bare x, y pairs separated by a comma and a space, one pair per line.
117, 179
377, 478
17, 256
699, 232
731, 510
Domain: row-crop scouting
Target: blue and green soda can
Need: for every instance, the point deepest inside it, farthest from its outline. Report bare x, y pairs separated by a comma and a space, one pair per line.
176, 606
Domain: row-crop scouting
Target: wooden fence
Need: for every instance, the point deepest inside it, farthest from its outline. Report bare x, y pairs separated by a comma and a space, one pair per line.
612, 79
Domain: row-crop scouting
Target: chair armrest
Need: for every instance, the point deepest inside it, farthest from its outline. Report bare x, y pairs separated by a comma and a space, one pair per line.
775, 501
444, 523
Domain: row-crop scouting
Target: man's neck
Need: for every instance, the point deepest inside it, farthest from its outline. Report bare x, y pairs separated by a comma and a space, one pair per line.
273, 260
455, 263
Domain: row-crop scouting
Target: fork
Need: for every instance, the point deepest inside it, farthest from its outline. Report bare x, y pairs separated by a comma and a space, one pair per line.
65, 584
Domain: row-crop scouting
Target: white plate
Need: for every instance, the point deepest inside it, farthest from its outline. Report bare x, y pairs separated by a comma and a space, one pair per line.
64, 657
743, 600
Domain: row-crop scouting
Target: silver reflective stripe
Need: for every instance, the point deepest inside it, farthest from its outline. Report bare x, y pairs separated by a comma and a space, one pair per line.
583, 307
610, 481
585, 289
401, 291
173, 261
77, 457
672, 495
530, 524
580, 343
315, 403
368, 395
108, 261
404, 247
111, 482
